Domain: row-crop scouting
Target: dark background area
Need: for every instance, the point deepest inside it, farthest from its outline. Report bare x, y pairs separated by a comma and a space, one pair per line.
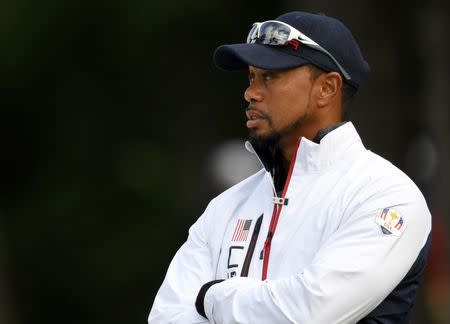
111, 112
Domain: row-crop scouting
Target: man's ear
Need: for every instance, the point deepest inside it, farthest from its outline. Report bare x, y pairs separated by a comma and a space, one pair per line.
330, 85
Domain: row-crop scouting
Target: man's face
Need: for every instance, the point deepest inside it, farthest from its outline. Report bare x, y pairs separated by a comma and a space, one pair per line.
279, 103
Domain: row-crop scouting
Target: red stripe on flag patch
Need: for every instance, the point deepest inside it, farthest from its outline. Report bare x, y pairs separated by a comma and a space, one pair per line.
241, 230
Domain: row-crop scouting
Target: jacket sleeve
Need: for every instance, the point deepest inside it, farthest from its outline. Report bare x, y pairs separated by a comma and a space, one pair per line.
353, 272
190, 268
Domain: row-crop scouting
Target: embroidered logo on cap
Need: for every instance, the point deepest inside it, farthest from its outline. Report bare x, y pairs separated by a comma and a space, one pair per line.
391, 222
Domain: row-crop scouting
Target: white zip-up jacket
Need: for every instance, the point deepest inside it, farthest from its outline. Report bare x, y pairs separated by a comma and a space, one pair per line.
345, 242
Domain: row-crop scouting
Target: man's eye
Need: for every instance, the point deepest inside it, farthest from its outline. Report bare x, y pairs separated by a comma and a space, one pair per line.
267, 76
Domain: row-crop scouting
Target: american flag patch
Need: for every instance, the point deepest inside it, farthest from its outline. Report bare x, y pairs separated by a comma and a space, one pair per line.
241, 231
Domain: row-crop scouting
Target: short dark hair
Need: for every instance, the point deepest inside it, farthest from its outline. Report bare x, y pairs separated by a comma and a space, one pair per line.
348, 91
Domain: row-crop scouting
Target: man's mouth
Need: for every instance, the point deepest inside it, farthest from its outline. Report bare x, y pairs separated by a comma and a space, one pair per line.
254, 114
254, 118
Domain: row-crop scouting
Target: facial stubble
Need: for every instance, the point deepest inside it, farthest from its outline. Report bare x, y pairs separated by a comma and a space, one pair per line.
271, 141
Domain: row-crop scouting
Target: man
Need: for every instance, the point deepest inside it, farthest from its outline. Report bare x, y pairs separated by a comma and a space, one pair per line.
327, 232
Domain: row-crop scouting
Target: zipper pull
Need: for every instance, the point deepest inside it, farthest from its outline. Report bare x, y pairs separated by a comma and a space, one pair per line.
280, 201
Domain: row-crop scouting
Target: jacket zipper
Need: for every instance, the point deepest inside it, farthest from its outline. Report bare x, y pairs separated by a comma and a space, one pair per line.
275, 216
251, 247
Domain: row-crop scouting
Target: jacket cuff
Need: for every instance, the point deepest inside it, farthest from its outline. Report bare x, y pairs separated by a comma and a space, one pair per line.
199, 302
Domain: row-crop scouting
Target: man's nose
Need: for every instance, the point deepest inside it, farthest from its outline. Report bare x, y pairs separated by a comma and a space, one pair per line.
253, 92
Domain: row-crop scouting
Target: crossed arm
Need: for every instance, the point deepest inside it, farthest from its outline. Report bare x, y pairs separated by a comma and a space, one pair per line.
350, 275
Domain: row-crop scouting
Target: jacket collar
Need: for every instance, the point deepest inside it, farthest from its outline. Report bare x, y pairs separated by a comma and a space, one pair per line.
333, 146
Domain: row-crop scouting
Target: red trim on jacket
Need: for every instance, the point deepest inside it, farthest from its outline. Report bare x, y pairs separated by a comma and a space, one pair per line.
276, 215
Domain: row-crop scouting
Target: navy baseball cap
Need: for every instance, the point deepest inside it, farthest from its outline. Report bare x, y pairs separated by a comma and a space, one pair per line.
332, 36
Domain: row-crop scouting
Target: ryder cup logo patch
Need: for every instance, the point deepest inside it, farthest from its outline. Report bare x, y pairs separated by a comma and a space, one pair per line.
391, 222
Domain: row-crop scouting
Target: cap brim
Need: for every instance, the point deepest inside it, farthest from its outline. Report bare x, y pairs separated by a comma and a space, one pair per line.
236, 57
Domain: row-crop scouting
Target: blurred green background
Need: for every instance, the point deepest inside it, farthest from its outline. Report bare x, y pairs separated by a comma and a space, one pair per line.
114, 119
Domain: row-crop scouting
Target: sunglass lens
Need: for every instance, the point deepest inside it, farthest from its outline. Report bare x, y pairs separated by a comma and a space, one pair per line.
252, 35
272, 33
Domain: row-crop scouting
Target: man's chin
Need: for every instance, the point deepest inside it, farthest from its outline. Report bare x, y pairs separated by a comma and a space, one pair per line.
264, 139
258, 133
